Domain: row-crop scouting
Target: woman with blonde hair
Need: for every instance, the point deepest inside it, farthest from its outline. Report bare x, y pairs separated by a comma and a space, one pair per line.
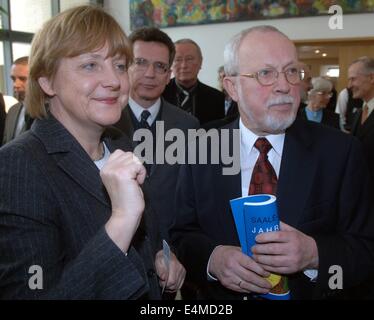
71, 207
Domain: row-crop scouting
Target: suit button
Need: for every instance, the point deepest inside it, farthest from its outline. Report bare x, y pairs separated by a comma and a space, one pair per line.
151, 273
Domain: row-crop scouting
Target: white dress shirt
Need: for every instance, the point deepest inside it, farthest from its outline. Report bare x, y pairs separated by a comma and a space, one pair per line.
137, 109
248, 158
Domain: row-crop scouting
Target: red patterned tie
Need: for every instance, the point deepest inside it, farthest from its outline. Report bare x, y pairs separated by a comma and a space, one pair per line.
264, 178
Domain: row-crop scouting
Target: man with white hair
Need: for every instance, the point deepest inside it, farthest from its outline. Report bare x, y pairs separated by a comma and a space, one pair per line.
318, 98
186, 91
318, 175
361, 82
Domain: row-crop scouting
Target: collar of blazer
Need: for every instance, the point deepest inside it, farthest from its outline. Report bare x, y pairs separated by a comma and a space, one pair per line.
69, 155
367, 127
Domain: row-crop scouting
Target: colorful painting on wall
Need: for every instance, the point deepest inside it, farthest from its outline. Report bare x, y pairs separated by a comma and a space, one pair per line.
171, 13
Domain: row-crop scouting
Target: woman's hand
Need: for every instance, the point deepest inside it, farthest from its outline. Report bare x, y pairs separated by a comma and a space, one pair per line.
122, 177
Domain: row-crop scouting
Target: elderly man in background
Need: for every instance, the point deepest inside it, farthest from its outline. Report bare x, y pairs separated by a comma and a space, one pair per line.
186, 91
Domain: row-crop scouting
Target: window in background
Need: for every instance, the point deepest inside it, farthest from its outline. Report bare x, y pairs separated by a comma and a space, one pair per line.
66, 4
2, 83
21, 50
28, 16
331, 71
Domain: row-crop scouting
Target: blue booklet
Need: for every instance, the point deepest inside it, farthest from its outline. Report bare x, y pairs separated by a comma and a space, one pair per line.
254, 215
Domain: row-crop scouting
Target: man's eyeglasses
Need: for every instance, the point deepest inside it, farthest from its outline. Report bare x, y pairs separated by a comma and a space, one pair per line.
187, 60
143, 65
321, 93
269, 76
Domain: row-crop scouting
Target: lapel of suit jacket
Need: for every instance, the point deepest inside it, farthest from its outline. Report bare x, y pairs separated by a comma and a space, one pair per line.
126, 123
296, 172
366, 127
356, 124
228, 187
14, 120
70, 156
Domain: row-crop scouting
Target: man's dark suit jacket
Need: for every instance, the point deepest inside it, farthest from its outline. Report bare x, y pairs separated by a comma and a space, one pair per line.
323, 190
209, 102
12, 121
329, 118
365, 133
53, 208
161, 180
2, 116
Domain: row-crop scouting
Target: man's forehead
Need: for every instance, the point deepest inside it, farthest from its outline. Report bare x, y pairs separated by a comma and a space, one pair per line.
20, 68
272, 50
186, 47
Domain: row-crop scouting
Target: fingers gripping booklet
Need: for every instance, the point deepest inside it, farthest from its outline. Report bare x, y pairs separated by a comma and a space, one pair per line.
254, 215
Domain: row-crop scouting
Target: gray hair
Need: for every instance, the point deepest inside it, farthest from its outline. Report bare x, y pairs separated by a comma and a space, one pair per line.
367, 63
230, 54
190, 41
321, 85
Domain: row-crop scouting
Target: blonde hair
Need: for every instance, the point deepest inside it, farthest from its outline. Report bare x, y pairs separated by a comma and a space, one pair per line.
71, 33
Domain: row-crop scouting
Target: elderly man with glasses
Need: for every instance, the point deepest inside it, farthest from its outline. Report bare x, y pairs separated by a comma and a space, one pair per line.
325, 246
186, 91
318, 99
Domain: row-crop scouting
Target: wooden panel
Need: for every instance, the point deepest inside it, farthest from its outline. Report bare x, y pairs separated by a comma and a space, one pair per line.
316, 64
349, 49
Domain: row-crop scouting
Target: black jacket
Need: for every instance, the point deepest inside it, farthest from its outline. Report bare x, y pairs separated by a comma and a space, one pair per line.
207, 103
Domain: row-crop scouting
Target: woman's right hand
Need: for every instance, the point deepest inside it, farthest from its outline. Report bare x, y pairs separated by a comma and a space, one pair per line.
122, 176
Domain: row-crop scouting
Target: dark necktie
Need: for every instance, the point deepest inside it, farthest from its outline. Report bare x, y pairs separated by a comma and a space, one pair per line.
264, 178
143, 119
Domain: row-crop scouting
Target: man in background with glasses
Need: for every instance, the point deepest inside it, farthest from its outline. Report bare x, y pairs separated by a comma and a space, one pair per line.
149, 74
318, 175
186, 91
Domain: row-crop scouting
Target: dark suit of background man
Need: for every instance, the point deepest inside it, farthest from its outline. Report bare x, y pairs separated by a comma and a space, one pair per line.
2, 116
186, 91
323, 187
361, 82
153, 55
17, 121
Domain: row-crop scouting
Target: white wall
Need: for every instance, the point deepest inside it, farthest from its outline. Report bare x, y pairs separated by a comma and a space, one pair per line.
212, 37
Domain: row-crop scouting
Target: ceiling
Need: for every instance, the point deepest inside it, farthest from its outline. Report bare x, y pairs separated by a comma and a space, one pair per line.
309, 51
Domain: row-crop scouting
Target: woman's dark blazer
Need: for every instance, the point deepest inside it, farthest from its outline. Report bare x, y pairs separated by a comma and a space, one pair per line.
53, 208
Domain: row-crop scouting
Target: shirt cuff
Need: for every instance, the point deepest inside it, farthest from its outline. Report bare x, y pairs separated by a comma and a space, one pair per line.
209, 276
312, 274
